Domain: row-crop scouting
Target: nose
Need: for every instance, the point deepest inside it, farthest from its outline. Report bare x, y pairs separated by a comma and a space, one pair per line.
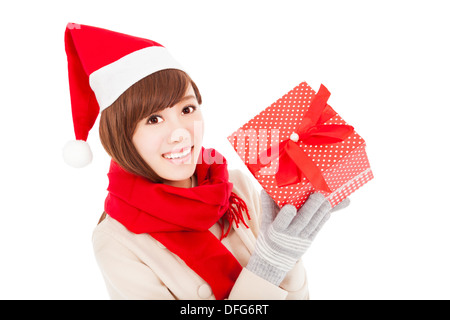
179, 135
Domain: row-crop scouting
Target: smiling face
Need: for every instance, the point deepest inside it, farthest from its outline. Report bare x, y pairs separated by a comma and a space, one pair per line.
170, 141
149, 129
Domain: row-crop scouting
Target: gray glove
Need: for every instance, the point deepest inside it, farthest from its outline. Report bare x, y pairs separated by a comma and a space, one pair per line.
285, 235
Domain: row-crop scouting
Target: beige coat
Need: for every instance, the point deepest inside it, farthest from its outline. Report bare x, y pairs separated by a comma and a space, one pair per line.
136, 266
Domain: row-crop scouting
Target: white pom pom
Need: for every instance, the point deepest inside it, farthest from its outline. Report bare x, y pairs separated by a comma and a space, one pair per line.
77, 153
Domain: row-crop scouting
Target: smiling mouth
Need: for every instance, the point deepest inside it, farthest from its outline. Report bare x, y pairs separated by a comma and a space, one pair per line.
185, 152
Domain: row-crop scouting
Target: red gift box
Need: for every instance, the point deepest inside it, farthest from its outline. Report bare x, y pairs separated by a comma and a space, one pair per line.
298, 145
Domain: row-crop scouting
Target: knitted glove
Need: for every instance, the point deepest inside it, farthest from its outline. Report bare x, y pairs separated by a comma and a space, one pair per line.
285, 235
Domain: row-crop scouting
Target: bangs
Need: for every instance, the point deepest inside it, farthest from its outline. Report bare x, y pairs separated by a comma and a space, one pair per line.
160, 90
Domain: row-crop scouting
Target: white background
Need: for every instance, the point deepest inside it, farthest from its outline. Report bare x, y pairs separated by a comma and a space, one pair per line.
386, 64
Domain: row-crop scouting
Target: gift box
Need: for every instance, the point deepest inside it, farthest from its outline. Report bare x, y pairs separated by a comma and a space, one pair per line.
300, 145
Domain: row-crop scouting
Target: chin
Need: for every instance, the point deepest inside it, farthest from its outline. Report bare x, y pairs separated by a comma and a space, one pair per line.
180, 169
178, 172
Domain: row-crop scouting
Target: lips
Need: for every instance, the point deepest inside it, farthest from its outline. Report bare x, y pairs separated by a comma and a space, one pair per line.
178, 154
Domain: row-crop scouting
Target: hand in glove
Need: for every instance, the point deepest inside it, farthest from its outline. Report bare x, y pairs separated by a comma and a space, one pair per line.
285, 235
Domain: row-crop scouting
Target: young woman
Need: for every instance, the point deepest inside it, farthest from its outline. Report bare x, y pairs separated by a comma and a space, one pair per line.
177, 223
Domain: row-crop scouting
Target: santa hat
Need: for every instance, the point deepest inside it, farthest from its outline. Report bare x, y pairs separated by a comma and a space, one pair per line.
102, 65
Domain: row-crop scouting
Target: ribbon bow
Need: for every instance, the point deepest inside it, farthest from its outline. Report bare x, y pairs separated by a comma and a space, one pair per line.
294, 163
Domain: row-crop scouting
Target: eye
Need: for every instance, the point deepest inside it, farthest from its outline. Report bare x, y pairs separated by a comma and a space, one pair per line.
154, 119
188, 109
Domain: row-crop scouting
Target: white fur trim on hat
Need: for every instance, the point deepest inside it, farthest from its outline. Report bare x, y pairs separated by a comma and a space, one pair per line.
112, 80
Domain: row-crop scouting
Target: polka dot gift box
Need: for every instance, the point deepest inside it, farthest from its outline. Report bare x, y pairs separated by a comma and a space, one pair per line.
298, 145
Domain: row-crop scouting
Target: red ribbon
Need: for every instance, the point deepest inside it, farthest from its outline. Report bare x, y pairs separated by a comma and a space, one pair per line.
294, 163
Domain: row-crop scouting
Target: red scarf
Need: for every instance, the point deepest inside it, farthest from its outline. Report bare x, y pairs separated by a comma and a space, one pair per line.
180, 218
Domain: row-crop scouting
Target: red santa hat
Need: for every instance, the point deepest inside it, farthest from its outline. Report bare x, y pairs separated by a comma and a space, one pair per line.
102, 65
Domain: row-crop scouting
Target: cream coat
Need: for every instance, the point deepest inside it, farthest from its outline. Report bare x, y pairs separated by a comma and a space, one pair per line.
136, 266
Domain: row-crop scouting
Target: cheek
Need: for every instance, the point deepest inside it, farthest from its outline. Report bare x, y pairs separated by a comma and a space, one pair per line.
148, 145
197, 130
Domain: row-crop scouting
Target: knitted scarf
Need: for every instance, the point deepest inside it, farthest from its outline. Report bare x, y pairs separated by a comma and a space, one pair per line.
180, 218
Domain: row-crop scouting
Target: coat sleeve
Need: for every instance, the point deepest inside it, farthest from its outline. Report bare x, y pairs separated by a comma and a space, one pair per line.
139, 282
249, 286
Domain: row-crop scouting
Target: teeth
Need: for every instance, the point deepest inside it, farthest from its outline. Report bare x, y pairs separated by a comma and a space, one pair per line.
177, 155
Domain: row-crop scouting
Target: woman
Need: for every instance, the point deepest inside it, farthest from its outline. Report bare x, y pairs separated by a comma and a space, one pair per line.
177, 224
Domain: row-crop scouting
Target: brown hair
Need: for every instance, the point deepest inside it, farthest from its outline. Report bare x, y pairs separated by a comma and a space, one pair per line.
118, 122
